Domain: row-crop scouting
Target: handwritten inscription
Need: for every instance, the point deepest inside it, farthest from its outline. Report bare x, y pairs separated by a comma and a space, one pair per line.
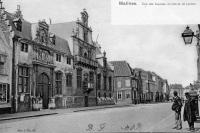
132, 127
99, 128
26, 130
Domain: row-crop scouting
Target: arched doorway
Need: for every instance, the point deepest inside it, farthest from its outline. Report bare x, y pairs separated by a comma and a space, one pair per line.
43, 89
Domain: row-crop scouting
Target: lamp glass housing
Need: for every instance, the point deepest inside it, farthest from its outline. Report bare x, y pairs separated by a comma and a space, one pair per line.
188, 35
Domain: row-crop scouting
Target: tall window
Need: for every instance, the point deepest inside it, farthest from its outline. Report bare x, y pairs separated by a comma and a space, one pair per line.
92, 77
3, 93
2, 69
69, 80
110, 95
58, 57
2, 64
23, 80
105, 82
24, 47
110, 83
85, 35
119, 95
128, 94
58, 83
80, 51
79, 78
69, 60
127, 82
99, 94
99, 81
119, 84
105, 95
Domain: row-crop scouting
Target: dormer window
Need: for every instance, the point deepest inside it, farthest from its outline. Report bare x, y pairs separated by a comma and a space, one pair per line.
18, 24
53, 39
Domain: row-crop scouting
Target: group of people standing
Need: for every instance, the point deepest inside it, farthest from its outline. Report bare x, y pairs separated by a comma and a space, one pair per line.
188, 112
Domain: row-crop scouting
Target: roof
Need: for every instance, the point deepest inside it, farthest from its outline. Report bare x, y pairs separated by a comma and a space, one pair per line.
26, 26
121, 68
63, 30
62, 45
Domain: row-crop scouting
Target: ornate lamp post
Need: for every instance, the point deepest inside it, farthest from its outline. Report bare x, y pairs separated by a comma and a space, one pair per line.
188, 35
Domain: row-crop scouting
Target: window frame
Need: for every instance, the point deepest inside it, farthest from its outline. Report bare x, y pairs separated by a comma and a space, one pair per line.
2, 92
110, 83
127, 93
58, 57
99, 81
69, 80
58, 82
127, 83
24, 79
24, 47
79, 78
119, 84
119, 93
68, 60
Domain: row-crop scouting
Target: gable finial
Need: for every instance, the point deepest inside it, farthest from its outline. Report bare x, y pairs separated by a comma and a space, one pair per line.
1, 5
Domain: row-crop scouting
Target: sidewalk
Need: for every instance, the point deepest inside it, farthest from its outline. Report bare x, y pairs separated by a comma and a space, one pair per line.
46, 112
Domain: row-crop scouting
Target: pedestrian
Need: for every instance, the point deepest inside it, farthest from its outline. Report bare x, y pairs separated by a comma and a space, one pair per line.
176, 107
189, 111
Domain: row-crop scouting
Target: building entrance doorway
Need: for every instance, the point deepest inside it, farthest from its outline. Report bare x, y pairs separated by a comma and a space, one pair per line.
43, 89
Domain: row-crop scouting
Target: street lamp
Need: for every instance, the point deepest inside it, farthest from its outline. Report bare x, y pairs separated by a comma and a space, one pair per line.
188, 35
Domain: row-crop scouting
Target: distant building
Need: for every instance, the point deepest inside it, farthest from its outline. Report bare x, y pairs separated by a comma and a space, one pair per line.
122, 82
178, 88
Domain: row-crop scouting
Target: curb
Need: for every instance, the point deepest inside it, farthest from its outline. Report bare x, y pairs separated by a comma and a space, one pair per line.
102, 108
29, 116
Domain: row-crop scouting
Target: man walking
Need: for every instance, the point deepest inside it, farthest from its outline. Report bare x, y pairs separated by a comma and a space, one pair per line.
176, 107
189, 111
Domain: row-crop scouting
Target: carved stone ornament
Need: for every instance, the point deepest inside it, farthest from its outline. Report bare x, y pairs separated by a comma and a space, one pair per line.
84, 17
42, 35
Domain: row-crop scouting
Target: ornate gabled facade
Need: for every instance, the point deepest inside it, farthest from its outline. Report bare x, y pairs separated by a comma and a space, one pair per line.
5, 63
79, 36
105, 79
42, 64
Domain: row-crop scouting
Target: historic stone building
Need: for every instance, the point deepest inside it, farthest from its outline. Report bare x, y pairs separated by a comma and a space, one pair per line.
42, 64
105, 79
5, 64
79, 35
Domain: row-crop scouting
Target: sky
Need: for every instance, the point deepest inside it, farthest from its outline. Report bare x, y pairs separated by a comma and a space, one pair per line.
157, 48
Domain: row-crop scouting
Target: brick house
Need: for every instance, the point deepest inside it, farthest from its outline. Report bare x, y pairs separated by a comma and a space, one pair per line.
123, 88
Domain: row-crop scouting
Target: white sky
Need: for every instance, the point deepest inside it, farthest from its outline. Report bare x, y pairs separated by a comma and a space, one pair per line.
158, 48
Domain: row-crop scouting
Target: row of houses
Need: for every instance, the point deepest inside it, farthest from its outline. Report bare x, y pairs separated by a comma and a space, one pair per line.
135, 85
60, 66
